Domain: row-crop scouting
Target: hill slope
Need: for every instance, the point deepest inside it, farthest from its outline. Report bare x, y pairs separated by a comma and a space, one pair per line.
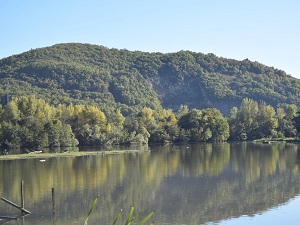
91, 74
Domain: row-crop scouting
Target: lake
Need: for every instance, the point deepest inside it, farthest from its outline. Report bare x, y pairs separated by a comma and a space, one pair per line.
228, 183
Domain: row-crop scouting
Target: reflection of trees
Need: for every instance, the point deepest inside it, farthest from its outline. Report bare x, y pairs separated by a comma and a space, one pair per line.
205, 159
205, 182
259, 161
121, 179
256, 178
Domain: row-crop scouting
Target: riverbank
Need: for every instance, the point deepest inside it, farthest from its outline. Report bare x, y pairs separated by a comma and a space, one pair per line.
65, 154
278, 140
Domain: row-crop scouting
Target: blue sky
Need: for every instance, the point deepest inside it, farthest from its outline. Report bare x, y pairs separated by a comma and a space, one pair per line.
267, 31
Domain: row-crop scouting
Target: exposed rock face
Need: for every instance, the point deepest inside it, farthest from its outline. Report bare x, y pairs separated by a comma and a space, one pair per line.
190, 93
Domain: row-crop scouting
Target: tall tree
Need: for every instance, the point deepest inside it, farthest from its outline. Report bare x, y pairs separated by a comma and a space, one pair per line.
204, 125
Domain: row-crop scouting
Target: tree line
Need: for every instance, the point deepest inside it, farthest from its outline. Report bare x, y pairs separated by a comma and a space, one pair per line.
32, 123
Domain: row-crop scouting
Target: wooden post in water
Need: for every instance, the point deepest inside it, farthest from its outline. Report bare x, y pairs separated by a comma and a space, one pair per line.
15, 205
21, 207
22, 196
22, 201
53, 202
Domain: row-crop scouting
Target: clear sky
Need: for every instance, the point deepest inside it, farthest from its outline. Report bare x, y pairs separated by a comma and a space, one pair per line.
267, 31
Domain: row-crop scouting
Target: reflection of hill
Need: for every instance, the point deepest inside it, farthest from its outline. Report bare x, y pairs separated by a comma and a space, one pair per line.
185, 185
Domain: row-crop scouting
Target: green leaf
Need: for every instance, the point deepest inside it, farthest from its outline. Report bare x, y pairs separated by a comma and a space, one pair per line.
92, 208
129, 216
147, 218
117, 217
134, 218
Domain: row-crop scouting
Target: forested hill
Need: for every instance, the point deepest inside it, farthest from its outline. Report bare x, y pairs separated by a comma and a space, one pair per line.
130, 80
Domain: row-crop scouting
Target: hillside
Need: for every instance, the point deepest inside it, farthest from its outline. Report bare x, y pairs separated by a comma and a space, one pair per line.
130, 80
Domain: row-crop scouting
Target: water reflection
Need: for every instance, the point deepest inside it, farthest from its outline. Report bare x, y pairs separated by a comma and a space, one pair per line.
186, 184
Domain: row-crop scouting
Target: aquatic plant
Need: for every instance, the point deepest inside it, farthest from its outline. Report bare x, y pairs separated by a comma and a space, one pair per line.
130, 218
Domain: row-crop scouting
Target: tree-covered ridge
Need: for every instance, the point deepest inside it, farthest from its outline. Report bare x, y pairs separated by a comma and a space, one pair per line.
81, 74
109, 78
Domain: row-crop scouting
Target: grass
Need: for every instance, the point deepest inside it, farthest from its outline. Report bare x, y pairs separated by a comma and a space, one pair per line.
277, 139
67, 154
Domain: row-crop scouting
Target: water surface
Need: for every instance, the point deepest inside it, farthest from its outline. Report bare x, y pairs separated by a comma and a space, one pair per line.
239, 183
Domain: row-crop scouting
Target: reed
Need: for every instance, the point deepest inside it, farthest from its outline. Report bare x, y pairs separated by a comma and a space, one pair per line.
91, 209
130, 218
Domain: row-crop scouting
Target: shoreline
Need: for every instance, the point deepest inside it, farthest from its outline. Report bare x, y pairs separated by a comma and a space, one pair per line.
278, 140
66, 154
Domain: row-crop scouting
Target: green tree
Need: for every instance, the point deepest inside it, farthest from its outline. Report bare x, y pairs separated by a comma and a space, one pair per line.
296, 122
204, 125
53, 129
10, 135
217, 124
248, 113
118, 119
267, 123
11, 112
286, 127
291, 111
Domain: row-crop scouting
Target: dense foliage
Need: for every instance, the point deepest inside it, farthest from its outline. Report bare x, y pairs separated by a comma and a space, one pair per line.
31, 122
87, 74
28, 122
257, 120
